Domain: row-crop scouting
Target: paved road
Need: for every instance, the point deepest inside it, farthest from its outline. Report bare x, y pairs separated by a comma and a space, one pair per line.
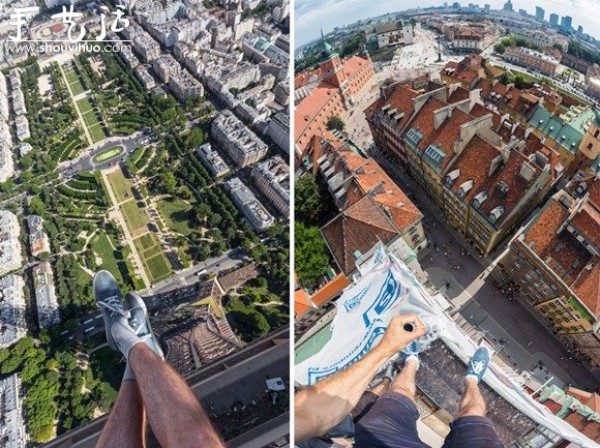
178, 289
183, 278
516, 330
85, 160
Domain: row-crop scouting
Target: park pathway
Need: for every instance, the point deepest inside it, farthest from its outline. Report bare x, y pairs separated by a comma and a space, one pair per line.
118, 216
83, 125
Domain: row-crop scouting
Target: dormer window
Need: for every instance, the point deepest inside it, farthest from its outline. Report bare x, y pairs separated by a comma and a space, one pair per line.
451, 178
464, 189
414, 136
479, 199
435, 154
496, 213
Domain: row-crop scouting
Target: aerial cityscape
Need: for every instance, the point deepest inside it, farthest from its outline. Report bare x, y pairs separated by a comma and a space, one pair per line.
441, 164
464, 141
154, 146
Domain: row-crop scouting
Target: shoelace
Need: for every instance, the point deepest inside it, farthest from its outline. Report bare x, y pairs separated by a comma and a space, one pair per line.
113, 303
477, 366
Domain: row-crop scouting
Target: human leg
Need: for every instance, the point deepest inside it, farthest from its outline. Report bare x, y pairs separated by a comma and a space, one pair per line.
471, 427
175, 415
126, 423
392, 421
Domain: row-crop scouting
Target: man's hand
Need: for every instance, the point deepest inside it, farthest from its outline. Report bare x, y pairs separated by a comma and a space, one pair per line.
396, 338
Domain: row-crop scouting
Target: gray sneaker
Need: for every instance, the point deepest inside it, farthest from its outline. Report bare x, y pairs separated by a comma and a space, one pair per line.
140, 322
110, 302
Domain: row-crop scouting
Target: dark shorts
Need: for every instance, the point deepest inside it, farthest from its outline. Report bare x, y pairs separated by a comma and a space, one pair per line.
392, 423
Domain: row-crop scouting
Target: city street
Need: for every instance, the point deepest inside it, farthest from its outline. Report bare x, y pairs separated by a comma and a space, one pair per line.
515, 331
409, 62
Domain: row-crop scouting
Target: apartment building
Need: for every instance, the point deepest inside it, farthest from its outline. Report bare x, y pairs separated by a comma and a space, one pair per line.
45, 295
12, 310
38, 239
254, 212
242, 145
10, 246
212, 160
555, 259
535, 60
272, 177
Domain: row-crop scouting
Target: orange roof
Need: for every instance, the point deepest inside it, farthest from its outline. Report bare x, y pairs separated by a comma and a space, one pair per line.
356, 230
401, 99
311, 105
354, 64
301, 302
562, 250
494, 71
579, 394
330, 290
587, 287
373, 180
588, 222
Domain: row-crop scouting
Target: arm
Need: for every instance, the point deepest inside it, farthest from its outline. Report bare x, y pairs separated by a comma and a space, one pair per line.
320, 407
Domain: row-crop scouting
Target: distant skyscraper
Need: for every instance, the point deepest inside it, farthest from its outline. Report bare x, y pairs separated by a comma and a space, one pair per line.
522, 12
486, 8
554, 19
508, 6
579, 30
539, 13
566, 23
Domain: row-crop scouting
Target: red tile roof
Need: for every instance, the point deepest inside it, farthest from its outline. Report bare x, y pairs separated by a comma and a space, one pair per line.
449, 133
477, 154
494, 71
301, 302
561, 249
373, 180
330, 290
401, 99
424, 122
587, 221
587, 287
458, 94
474, 164
311, 105
356, 230
583, 425
353, 65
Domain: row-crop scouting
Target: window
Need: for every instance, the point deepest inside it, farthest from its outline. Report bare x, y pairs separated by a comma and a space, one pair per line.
414, 136
435, 154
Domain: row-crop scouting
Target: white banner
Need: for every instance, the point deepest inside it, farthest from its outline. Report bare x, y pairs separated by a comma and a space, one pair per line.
388, 288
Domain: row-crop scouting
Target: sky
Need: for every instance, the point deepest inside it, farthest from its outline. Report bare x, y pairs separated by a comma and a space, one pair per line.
312, 15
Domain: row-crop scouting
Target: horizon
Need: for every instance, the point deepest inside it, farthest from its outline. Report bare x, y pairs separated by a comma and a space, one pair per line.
308, 13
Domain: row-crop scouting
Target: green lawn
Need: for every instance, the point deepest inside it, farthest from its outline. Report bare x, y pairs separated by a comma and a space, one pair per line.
101, 246
84, 106
74, 81
147, 245
159, 267
178, 215
120, 185
108, 154
91, 120
147, 241
97, 133
134, 216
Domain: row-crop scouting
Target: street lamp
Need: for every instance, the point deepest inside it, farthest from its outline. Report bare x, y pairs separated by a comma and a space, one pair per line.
439, 39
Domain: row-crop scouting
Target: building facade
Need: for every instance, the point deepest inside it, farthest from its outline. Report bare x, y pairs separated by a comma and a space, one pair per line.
273, 178
242, 145
554, 260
